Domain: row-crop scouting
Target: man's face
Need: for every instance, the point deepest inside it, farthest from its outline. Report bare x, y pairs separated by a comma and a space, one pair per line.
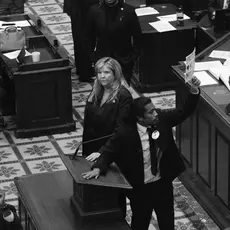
150, 115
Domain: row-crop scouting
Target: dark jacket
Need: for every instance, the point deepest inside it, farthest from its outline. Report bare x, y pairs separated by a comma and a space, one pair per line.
207, 20
215, 4
102, 120
4, 225
126, 151
113, 32
75, 6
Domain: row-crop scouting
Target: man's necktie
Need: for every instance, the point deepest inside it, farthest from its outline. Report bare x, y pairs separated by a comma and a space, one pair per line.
153, 152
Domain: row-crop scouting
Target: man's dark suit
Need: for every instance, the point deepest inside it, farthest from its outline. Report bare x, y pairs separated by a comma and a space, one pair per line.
77, 10
126, 151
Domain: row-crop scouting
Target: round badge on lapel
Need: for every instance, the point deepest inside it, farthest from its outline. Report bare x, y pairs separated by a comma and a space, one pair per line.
155, 134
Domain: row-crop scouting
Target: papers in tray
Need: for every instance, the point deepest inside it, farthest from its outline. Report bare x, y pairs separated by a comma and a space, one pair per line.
162, 26
199, 66
205, 78
227, 63
220, 54
222, 74
171, 17
23, 23
145, 11
14, 54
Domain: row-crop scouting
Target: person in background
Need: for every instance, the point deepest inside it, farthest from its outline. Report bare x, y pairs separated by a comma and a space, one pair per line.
78, 10
147, 155
11, 7
8, 216
213, 5
108, 106
113, 30
217, 4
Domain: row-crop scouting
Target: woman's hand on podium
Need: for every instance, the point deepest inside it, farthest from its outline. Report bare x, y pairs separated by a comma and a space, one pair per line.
93, 156
95, 173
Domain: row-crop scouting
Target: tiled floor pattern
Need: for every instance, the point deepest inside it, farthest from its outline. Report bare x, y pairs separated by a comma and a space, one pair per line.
37, 155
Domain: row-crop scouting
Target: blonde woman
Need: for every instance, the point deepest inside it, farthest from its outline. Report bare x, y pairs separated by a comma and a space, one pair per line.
108, 106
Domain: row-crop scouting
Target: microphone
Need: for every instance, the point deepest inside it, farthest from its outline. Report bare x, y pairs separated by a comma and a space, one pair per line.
89, 141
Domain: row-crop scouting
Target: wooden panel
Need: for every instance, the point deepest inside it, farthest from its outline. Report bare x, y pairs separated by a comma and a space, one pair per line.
222, 173
96, 198
203, 154
41, 100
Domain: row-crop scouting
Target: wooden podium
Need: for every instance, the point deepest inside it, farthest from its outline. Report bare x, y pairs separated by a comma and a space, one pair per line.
95, 198
40, 93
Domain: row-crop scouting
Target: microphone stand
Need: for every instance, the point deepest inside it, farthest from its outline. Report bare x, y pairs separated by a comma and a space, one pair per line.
89, 141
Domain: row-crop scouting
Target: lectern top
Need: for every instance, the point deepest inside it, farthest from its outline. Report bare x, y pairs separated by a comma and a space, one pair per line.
113, 178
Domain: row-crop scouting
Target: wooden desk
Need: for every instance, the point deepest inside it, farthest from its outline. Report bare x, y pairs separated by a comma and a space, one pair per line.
40, 92
161, 50
96, 198
45, 201
204, 140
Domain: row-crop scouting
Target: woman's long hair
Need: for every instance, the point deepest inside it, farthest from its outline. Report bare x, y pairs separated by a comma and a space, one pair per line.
119, 80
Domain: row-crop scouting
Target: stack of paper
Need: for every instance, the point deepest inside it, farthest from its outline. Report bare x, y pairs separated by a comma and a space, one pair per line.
171, 17
205, 78
145, 11
222, 73
199, 66
14, 54
220, 54
162, 26
227, 63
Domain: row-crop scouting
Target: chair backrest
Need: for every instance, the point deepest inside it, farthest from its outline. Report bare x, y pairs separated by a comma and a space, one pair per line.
222, 20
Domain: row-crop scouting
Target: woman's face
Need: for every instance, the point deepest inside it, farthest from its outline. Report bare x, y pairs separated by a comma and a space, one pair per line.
105, 76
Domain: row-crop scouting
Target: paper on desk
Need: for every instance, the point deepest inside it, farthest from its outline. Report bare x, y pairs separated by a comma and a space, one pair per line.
145, 11
227, 63
23, 23
162, 26
220, 54
206, 65
171, 17
14, 54
205, 78
222, 73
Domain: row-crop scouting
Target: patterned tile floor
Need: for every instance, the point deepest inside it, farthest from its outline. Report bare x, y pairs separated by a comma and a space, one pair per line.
37, 155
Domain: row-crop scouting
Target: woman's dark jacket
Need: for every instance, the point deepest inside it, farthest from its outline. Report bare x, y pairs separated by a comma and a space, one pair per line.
102, 120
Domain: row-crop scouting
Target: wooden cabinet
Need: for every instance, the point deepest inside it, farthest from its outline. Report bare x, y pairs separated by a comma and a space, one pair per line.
41, 93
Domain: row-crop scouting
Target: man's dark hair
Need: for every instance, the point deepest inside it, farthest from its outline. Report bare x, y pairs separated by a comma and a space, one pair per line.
138, 107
